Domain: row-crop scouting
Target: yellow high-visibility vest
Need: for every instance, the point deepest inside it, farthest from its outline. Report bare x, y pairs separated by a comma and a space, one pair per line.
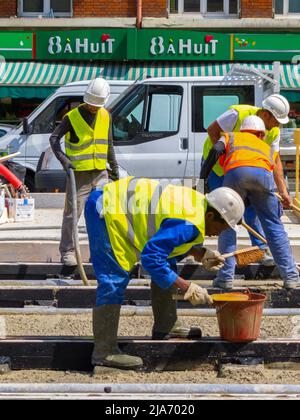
244, 111
91, 151
245, 149
134, 209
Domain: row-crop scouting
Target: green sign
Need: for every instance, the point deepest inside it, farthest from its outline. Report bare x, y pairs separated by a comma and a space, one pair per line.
132, 44
16, 45
265, 47
155, 44
88, 44
149, 44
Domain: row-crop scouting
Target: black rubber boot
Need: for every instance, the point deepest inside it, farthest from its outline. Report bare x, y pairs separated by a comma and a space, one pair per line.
166, 324
106, 351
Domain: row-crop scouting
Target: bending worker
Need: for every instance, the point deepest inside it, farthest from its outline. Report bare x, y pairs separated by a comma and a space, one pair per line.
247, 161
89, 148
274, 111
142, 219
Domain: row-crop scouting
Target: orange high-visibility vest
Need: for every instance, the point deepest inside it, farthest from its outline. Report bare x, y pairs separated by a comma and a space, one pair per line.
245, 149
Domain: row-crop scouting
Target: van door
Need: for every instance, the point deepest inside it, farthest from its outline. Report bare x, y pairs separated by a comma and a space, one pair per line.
208, 103
42, 126
150, 130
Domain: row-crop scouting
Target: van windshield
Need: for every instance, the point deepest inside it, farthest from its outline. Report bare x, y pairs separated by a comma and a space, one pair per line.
120, 97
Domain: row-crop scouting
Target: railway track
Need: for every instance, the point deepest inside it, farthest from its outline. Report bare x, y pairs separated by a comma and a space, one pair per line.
74, 353
12, 296
50, 289
44, 271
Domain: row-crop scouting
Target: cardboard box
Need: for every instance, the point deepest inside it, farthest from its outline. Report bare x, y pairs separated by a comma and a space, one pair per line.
21, 209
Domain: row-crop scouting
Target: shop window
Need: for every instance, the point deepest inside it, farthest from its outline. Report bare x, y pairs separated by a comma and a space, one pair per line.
149, 113
45, 8
287, 7
208, 103
205, 7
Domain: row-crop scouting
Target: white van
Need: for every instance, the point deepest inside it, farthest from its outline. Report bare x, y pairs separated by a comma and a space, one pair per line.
31, 138
160, 124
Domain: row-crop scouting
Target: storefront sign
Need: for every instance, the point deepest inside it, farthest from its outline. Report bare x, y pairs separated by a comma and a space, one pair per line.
157, 45
90, 44
182, 45
17, 45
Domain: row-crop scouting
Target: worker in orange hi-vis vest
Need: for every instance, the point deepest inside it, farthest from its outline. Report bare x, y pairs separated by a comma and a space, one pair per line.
248, 164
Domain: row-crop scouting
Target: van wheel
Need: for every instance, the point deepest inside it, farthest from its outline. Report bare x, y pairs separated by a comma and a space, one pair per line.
29, 181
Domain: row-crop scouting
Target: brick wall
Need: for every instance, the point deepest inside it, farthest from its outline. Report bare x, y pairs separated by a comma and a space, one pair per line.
256, 8
8, 8
118, 8
127, 8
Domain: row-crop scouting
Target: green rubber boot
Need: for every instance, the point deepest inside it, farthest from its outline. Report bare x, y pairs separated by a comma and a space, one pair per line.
166, 324
106, 351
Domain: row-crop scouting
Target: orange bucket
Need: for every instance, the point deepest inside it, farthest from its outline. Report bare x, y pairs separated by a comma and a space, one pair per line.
239, 320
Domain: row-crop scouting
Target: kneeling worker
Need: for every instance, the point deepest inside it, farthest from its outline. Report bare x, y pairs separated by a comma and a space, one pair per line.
142, 219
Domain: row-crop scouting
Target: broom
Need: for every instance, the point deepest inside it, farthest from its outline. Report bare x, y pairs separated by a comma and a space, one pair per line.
246, 256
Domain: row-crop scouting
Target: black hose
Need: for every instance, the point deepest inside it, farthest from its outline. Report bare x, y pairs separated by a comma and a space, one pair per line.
75, 228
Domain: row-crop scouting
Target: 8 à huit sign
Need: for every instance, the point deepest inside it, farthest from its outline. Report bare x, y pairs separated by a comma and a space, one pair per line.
149, 44
130, 44
183, 46
82, 45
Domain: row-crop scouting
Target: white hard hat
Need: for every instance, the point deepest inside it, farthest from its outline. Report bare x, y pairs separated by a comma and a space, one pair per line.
278, 106
228, 203
253, 123
97, 92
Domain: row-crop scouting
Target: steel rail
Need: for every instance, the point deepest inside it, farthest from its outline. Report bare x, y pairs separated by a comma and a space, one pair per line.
129, 311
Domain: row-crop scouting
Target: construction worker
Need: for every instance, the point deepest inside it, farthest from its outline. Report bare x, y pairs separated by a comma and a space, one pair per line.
157, 223
247, 161
89, 149
274, 111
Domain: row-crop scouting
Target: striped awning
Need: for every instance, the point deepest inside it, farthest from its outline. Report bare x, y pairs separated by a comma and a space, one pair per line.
51, 75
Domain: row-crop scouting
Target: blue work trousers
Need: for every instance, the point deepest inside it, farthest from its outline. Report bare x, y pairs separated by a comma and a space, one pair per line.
257, 186
112, 279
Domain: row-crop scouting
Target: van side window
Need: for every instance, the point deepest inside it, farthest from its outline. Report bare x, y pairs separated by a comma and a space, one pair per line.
208, 103
47, 120
148, 113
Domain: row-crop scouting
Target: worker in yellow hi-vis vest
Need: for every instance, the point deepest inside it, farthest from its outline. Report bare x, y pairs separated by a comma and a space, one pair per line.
274, 111
89, 149
157, 223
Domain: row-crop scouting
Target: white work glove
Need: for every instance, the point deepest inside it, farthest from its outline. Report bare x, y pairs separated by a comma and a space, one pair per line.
197, 295
212, 260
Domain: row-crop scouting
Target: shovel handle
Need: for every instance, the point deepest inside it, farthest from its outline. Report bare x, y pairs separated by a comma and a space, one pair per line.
254, 233
292, 206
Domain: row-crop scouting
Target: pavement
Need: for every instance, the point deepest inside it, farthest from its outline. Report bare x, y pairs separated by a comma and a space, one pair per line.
38, 241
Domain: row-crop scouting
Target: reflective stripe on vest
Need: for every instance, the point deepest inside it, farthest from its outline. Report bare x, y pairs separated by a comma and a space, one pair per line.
243, 111
91, 150
239, 153
134, 210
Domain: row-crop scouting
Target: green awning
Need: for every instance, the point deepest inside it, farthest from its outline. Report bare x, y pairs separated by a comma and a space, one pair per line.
34, 79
